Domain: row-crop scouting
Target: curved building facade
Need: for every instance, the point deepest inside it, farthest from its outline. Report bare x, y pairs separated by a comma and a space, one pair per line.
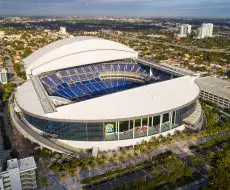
87, 92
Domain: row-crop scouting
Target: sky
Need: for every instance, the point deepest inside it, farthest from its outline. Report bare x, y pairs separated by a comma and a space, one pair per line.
162, 8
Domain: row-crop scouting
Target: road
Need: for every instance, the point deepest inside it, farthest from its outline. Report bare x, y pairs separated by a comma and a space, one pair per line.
121, 181
191, 47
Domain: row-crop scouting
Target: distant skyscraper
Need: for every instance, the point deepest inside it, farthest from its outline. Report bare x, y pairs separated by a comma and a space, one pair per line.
208, 27
205, 30
185, 29
63, 30
200, 33
3, 76
20, 175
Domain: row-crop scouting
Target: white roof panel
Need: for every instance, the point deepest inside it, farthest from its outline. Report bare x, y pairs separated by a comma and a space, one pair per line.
137, 102
75, 52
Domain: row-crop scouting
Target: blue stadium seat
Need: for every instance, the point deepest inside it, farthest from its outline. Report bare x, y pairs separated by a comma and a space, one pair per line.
82, 83
85, 82
82, 77
72, 72
55, 79
63, 73
87, 70
48, 81
74, 78
66, 79
77, 91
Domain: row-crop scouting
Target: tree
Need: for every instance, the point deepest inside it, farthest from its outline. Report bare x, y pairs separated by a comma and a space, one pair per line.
44, 153
111, 160
14, 153
187, 172
121, 158
100, 161
72, 171
27, 52
197, 160
123, 152
42, 179
129, 156
220, 175
7, 90
115, 155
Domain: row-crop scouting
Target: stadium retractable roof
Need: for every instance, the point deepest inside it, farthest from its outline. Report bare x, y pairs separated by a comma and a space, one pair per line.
75, 52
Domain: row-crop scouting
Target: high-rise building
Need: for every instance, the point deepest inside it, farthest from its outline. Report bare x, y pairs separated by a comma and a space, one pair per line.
200, 33
63, 30
205, 30
208, 29
20, 175
185, 29
3, 76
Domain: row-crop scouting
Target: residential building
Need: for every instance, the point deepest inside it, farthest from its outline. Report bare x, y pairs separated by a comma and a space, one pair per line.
185, 29
20, 175
3, 76
205, 30
215, 90
200, 33
208, 27
63, 30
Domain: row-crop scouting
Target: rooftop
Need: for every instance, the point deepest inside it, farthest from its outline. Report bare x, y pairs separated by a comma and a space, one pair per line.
11, 164
27, 164
215, 86
76, 51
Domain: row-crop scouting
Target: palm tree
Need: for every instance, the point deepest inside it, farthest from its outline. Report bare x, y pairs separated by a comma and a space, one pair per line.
115, 155
160, 137
144, 143
100, 161
156, 142
129, 156
103, 157
123, 152
177, 133
92, 163
135, 152
111, 160
183, 137
121, 159
153, 139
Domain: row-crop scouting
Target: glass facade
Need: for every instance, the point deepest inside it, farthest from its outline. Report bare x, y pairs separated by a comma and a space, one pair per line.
69, 130
109, 131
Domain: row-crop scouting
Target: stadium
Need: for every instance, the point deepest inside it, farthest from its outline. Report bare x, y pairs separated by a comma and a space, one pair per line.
87, 92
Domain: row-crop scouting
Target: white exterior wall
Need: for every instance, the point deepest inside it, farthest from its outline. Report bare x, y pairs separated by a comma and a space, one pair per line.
205, 30
185, 29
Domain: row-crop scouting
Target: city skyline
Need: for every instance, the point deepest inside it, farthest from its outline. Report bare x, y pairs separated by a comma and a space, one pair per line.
167, 8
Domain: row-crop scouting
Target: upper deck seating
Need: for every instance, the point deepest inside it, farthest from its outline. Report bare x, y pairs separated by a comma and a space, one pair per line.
84, 82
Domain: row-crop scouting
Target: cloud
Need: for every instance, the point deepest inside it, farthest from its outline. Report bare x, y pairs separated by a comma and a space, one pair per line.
116, 7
